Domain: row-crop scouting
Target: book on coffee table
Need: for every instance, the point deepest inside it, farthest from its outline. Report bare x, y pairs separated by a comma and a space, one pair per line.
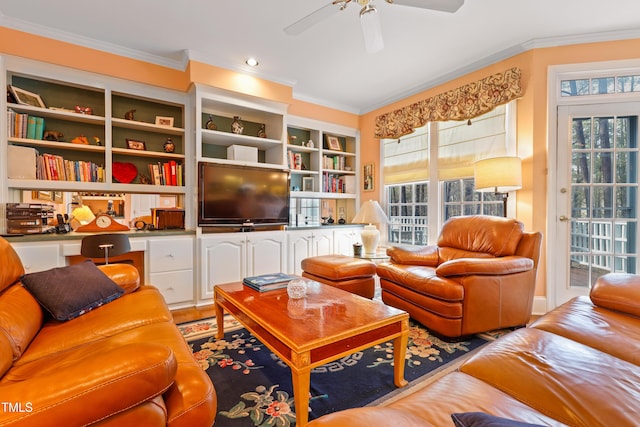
268, 282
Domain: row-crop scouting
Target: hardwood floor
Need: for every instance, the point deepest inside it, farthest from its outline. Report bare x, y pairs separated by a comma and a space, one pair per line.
193, 313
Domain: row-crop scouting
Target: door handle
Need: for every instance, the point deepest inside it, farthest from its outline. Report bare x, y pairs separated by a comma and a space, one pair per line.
563, 218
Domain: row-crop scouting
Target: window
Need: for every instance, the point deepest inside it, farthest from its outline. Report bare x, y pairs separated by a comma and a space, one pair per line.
407, 211
435, 164
460, 198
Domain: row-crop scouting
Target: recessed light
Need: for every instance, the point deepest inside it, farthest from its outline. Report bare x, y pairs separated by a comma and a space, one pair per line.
252, 62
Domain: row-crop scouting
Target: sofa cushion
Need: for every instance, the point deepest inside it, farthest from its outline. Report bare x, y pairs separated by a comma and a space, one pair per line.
480, 419
476, 233
68, 292
21, 318
617, 291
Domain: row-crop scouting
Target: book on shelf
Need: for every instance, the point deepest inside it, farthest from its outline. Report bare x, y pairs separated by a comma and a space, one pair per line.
22, 125
268, 282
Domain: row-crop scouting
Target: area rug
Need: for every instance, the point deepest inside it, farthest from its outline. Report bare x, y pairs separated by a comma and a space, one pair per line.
254, 386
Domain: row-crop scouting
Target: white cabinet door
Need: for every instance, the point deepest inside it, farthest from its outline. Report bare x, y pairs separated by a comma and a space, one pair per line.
39, 257
299, 246
344, 238
322, 242
266, 253
223, 260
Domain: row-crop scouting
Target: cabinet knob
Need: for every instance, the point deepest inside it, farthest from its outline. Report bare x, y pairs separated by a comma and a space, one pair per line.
170, 255
170, 288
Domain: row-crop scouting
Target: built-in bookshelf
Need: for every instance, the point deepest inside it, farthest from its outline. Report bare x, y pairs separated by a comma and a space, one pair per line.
90, 134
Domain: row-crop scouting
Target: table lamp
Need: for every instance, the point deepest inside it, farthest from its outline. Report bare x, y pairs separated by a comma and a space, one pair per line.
500, 175
370, 213
81, 216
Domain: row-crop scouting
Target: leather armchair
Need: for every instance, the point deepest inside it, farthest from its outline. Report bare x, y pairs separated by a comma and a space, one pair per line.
480, 276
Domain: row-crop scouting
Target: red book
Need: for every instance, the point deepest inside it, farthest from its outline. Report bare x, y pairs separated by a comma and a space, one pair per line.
174, 178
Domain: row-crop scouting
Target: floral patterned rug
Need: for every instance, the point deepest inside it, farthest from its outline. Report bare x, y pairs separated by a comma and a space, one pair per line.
254, 386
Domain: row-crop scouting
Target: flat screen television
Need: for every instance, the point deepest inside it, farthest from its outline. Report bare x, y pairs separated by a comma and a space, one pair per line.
242, 196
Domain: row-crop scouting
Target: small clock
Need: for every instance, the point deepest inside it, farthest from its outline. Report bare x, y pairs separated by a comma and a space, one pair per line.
103, 222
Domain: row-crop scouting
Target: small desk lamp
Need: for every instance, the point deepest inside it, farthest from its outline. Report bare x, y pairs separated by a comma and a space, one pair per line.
500, 175
370, 213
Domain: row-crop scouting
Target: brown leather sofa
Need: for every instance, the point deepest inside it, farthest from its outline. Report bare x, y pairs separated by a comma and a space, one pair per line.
122, 364
578, 365
480, 276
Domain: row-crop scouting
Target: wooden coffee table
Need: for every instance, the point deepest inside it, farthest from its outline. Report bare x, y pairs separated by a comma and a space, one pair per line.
327, 324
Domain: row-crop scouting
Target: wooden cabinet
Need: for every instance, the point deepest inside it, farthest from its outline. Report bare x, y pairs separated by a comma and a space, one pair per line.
229, 257
93, 135
171, 269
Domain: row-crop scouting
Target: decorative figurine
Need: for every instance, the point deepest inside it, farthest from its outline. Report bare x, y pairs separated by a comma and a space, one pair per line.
210, 124
97, 140
83, 110
236, 126
262, 132
80, 140
293, 139
169, 146
310, 144
129, 115
53, 135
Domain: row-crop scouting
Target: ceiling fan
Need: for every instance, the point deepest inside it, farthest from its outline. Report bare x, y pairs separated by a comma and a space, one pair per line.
369, 19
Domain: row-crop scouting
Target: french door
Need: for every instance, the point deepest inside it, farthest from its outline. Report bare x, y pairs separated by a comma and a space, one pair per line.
596, 196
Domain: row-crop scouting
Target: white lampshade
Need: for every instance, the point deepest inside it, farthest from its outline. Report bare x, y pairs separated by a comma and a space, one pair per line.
371, 30
370, 213
498, 174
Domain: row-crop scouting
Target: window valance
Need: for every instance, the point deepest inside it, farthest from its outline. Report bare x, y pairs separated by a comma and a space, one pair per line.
463, 103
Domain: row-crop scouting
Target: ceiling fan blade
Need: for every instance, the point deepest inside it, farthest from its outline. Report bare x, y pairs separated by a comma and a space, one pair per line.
441, 5
311, 19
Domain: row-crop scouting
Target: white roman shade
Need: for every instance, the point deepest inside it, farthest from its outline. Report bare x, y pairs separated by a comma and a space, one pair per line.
407, 160
460, 145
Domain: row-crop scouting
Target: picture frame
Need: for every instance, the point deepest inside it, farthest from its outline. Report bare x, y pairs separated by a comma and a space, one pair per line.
24, 97
164, 121
135, 144
49, 196
333, 143
307, 184
368, 183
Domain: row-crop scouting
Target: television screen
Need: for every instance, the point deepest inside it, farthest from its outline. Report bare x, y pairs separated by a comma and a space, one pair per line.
231, 195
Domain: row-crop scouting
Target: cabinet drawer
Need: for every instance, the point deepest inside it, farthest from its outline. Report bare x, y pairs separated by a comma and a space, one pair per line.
170, 255
175, 286
38, 257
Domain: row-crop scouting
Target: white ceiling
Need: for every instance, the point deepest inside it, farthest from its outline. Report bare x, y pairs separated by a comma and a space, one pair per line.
326, 64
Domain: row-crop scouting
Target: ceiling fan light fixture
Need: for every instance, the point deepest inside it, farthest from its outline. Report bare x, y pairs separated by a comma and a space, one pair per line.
371, 29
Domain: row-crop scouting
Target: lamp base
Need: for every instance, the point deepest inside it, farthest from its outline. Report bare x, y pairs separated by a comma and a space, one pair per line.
370, 237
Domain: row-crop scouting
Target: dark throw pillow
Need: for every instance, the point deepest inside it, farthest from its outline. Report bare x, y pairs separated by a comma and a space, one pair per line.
480, 419
68, 292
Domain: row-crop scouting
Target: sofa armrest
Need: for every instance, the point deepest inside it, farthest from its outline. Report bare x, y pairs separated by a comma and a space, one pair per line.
125, 275
617, 291
80, 392
415, 255
484, 266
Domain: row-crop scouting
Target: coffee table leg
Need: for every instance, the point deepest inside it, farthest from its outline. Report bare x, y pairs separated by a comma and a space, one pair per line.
301, 379
219, 320
399, 354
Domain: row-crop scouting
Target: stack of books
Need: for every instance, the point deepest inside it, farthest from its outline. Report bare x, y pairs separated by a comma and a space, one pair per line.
268, 282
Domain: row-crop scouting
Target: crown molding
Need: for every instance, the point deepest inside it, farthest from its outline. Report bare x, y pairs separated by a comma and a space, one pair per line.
178, 62
538, 43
